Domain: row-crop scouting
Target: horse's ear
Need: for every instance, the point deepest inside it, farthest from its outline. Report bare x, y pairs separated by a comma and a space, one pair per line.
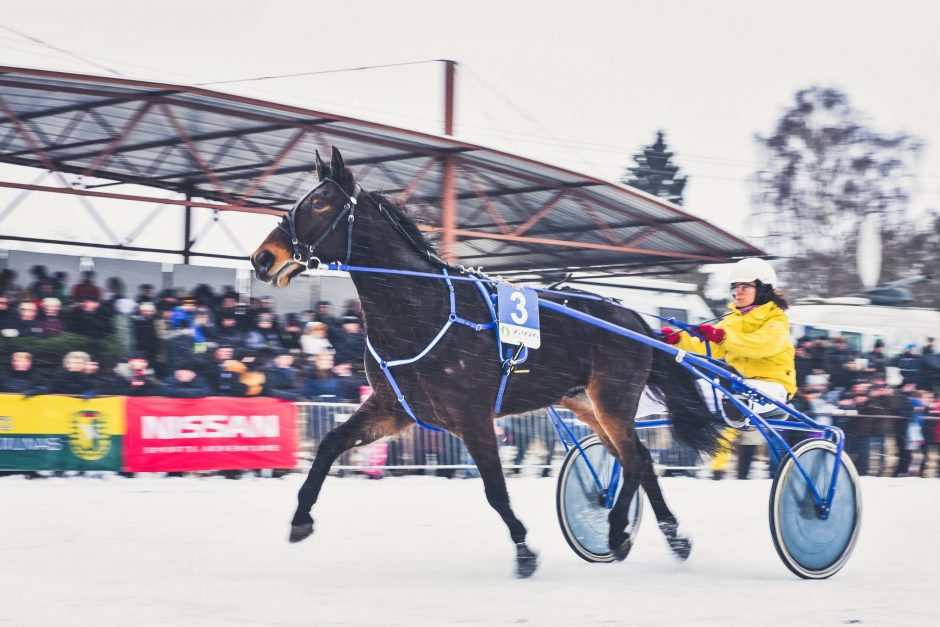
337, 167
323, 170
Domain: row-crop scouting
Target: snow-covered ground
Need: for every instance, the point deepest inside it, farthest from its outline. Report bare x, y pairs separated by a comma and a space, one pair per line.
429, 551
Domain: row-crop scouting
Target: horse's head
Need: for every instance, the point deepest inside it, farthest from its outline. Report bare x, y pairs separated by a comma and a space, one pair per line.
315, 229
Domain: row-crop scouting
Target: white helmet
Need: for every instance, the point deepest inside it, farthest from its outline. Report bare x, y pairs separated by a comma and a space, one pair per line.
753, 269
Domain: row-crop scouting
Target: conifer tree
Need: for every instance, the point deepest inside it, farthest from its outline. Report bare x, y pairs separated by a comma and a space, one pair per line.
655, 173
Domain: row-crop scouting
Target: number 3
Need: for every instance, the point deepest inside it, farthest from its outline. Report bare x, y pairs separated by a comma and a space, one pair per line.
522, 315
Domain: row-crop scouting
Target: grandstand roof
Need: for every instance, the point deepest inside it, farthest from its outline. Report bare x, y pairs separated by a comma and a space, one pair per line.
235, 153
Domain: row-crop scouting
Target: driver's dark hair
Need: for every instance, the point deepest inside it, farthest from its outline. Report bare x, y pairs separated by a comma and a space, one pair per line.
767, 293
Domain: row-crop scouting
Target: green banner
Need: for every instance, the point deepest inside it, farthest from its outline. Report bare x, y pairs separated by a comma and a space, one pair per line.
61, 433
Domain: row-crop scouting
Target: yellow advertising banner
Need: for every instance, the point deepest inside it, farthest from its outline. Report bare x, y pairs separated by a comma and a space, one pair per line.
61, 432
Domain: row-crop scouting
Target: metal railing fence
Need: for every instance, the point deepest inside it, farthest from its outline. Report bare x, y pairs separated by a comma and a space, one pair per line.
527, 442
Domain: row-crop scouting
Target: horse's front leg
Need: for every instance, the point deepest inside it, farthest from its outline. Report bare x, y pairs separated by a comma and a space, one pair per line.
481, 442
369, 423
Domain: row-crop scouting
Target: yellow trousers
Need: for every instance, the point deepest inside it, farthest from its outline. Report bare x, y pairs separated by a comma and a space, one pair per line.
723, 456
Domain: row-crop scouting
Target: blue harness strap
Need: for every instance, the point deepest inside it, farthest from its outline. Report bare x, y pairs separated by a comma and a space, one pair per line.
452, 318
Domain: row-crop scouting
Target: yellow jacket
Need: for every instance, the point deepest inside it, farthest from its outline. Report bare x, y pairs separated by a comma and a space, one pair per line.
757, 343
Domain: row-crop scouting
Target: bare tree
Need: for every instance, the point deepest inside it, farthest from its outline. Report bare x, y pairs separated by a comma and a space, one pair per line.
823, 170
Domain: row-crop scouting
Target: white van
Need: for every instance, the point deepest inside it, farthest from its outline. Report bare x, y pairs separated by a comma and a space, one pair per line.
862, 323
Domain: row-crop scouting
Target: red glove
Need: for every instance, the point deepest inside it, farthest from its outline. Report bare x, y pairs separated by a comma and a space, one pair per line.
670, 336
710, 333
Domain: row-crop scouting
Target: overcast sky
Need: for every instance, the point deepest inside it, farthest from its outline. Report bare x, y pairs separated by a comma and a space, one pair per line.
583, 84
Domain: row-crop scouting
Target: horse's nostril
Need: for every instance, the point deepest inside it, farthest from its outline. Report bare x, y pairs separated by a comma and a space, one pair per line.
264, 260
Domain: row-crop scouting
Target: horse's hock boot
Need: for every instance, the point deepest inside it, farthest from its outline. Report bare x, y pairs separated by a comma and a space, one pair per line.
526, 561
681, 545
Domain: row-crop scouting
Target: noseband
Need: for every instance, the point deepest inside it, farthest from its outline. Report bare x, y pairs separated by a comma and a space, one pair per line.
304, 253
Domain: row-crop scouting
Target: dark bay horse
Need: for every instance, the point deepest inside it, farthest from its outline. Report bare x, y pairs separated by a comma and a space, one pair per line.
598, 375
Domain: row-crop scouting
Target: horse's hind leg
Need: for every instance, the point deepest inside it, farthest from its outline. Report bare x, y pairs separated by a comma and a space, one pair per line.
615, 395
681, 545
481, 443
369, 423
619, 517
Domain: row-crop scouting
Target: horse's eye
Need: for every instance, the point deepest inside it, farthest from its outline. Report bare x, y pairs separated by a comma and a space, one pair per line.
318, 204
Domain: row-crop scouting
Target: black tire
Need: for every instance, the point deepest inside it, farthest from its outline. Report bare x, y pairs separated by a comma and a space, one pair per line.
581, 511
810, 546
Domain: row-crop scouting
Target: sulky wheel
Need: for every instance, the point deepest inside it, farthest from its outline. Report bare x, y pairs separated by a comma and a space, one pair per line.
580, 500
811, 546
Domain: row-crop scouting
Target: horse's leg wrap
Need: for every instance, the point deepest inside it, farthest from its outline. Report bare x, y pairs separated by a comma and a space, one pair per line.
681, 545
526, 561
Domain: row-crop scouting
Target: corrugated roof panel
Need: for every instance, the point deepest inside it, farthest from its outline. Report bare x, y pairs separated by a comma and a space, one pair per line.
564, 217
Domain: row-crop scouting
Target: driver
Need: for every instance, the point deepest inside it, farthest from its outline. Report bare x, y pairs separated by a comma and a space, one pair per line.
754, 338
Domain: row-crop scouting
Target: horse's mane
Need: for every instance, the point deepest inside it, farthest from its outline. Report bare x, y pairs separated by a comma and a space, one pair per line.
409, 228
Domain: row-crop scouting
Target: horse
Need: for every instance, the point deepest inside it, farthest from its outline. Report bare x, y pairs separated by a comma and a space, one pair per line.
597, 375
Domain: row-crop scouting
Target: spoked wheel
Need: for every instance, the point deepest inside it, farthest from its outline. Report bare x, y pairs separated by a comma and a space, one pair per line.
580, 501
811, 546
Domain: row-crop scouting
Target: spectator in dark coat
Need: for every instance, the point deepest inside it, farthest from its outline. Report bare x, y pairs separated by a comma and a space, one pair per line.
8, 285
905, 397
224, 379
859, 429
931, 367
322, 384
227, 332
21, 378
281, 378
74, 378
290, 333
185, 383
180, 346
910, 364
145, 330
837, 360
86, 319
145, 293
41, 278
27, 324
263, 340
351, 345
135, 377
803, 362
324, 314
877, 361
6, 316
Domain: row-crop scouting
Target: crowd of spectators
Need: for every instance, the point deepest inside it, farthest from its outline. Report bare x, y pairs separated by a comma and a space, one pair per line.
850, 390
90, 340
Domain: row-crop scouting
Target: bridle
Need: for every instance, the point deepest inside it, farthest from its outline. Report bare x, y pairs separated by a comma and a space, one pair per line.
304, 253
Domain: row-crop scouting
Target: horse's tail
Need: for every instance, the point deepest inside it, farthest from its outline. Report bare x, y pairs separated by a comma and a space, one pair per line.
693, 423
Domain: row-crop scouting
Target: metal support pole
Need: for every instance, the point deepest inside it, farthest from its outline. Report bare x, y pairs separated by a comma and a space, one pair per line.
450, 71
187, 230
449, 212
449, 187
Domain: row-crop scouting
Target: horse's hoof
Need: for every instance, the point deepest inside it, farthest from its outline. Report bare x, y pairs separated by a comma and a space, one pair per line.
620, 546
680, 545
526, 561
300, 532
